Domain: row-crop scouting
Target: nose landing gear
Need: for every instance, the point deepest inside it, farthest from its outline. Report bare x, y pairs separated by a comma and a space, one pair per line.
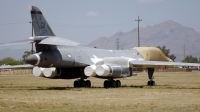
150, 75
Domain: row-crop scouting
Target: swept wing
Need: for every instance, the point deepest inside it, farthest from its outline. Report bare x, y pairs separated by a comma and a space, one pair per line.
158, 64
16, 66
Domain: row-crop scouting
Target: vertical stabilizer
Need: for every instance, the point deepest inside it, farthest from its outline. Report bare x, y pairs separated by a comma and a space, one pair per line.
40, 25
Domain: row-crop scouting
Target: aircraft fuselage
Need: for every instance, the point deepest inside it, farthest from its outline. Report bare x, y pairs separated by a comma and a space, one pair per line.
78, 56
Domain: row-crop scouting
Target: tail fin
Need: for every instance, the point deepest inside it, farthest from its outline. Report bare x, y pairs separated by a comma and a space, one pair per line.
40, 25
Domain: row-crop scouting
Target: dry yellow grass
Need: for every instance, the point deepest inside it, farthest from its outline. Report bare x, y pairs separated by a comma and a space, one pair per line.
173, 92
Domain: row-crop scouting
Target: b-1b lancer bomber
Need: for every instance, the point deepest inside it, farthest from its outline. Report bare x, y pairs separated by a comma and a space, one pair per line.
58, 57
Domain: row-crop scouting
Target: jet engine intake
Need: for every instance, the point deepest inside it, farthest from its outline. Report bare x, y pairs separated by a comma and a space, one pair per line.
112, 71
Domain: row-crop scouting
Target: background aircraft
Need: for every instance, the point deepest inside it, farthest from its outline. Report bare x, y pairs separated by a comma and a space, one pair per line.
57, 57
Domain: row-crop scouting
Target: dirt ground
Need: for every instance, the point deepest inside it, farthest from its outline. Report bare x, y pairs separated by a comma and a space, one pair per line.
173, 92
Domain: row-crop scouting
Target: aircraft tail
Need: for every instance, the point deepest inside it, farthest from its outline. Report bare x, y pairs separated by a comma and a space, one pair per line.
40, 25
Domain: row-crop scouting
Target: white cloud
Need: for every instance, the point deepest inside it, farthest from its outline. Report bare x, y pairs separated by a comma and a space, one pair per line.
92, 13
149, 1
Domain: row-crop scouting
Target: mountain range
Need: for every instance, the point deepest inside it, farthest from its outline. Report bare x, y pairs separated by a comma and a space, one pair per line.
169, 33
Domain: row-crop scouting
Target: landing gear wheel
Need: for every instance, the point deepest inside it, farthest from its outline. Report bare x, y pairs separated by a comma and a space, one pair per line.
106, 84
151, 83
76, 83
148, 83
114, 84
118, 83
88, 83
82, 83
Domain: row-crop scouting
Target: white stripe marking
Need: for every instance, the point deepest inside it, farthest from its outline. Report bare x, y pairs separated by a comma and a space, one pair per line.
38, 57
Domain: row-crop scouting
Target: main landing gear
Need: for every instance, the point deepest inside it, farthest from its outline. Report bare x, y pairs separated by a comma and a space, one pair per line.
112, 83
150, 74
82, 83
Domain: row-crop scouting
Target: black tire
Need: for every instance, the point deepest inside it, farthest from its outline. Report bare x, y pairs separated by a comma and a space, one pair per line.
88, 83
118, 83
106, 84
149, 83
76, 83
83, 83
114, 85
153, 83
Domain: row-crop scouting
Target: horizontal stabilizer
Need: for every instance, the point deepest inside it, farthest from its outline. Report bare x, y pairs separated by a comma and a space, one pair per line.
58, 41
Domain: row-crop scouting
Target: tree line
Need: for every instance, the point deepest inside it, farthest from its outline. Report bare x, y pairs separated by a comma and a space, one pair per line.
12, 61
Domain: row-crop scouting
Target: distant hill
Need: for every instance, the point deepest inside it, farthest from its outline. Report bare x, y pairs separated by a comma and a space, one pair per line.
169, 33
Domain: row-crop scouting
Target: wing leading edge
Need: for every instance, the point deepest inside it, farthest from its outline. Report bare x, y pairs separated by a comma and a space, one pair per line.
158, 64
17, 66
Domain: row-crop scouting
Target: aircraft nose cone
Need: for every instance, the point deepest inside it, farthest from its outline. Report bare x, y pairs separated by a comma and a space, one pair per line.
32, 59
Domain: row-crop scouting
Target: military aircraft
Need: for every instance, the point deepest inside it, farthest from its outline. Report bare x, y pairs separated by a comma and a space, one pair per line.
58, 57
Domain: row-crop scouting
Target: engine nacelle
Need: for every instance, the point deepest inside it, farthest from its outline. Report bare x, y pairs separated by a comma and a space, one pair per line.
112, 71
38, 71
63, 73
51, 72
90, 70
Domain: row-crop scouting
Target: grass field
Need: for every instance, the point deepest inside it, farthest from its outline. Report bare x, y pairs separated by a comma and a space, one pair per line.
173, 92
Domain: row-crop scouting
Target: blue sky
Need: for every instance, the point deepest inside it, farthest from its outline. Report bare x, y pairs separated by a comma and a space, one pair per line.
86, 20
